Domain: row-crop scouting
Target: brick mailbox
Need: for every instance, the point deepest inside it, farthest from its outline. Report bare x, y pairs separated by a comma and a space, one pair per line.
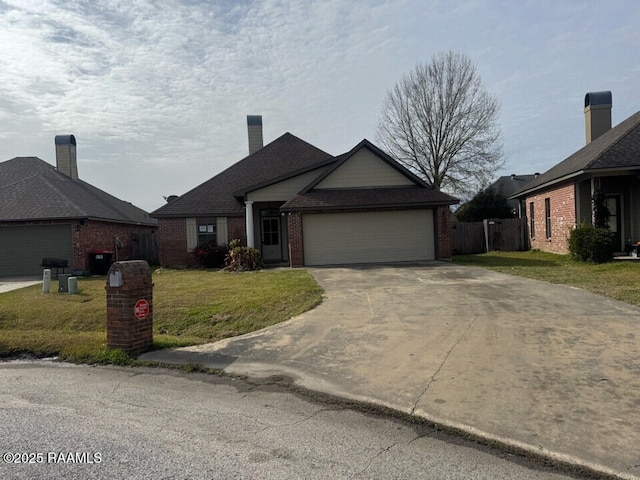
130, 306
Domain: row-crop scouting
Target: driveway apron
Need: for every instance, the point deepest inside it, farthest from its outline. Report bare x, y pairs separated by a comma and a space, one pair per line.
548, 368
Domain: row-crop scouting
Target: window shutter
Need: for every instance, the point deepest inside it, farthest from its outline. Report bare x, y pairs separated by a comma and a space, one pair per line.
192, 234
222, 236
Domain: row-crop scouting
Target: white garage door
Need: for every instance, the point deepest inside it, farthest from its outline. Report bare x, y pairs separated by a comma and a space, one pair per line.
23, 248
368, 237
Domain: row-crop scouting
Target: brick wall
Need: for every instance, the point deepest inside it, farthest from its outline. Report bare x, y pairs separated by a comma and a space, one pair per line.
562, 201
96, 235
296, 245
172, 240
442, 223
237, 228
129, 285
172, 243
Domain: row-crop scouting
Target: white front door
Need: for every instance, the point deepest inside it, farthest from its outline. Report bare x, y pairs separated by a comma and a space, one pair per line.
271, 242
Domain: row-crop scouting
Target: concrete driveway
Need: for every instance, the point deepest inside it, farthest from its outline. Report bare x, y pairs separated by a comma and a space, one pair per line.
14, 283
547, 368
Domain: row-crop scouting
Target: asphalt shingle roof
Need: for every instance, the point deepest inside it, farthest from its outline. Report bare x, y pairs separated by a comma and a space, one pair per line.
32, 189
334, 199
619, 147
285, 155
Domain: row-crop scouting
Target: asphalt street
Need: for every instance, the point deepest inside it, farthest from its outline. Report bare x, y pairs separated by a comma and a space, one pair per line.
68, 421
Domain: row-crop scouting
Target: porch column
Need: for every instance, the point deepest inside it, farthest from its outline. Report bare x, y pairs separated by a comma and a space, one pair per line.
249, 223
593, 191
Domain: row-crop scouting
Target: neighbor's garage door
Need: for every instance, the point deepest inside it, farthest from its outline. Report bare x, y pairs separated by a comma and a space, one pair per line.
22, 248
368, 237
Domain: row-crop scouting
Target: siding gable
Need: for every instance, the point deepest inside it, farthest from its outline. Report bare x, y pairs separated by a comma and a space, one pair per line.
364, 169
284, 190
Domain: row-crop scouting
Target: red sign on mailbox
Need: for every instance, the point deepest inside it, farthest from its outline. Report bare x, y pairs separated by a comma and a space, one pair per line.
141, 310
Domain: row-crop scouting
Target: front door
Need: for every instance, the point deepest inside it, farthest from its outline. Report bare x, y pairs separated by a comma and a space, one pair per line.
271, 244
615, 221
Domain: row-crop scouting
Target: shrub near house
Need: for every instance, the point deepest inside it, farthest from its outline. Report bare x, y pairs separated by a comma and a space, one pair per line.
211, 255
588, 243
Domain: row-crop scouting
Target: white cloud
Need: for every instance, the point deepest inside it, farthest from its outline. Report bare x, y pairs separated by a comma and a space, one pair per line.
160, 90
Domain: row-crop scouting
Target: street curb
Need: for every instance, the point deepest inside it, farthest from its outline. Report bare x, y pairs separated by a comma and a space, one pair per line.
564, 462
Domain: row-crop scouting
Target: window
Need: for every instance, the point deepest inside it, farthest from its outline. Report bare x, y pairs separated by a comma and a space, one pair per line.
547, 217
206, 230
270, 231
532, 221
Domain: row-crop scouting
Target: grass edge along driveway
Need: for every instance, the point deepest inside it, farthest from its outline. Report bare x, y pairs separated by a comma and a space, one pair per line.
616, 280
189, 307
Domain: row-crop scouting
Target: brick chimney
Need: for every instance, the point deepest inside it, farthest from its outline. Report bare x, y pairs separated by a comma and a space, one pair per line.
597, 114
254, 127
66, 161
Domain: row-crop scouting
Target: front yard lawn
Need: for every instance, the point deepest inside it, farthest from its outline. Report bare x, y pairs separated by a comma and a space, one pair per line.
617, 280
189, 307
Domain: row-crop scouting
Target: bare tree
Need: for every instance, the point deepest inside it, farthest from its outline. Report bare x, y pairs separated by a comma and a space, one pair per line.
441, 123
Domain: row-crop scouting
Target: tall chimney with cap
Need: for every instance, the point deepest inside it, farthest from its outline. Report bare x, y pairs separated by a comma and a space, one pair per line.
66, 161
254, 127
597, 114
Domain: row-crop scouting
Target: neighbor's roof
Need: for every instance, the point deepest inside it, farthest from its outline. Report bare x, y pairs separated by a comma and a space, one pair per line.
284, 156
618, 148
32, 189
508, 184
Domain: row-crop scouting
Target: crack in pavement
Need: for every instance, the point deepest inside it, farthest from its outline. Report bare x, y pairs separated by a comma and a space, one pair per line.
369, 302
464, 334
384, 450
122, 382
416, 438
308, 417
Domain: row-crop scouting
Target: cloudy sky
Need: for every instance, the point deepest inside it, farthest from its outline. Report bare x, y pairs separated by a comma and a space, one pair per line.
157, 92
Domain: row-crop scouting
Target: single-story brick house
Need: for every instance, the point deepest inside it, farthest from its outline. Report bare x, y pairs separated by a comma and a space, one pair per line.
47, 211
559, 199
301, 206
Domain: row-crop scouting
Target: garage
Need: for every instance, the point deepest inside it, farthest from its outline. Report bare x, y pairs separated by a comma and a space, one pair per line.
24, 247
368, 237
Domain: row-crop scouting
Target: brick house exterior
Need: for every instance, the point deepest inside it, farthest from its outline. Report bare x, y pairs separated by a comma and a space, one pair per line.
120, 238
48, 211
443, 228
173, 250
561, 198
550, 233
301, 206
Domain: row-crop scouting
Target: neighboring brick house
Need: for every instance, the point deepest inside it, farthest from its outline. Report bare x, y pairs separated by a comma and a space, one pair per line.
301, 206
559, 199
47, 211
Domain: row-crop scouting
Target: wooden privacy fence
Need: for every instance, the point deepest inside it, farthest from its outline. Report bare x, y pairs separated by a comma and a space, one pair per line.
504, 234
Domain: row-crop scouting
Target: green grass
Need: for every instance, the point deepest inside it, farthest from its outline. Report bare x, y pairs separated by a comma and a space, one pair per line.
190, 307
617, 280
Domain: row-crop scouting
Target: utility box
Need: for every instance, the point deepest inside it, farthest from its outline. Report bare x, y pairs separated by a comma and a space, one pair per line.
63, 283
130, 306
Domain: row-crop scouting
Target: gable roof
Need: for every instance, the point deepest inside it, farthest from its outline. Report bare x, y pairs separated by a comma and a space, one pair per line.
285, 156
342, 159
420, 194
32, 189
617, 148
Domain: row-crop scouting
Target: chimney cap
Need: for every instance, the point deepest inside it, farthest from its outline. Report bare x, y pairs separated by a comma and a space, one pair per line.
65, 140
254, 120
597, 98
